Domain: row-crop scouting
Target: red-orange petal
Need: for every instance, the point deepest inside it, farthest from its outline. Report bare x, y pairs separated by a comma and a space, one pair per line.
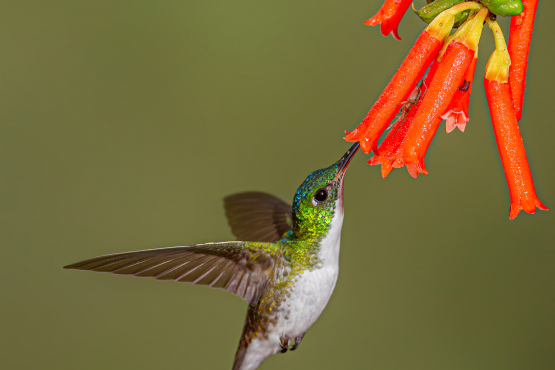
456, 114
389, 148
511, 149
389, 16
397, 90
519, 46
445, 83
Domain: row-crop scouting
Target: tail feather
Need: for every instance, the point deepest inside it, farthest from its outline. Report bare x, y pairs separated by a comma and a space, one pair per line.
250, 355
254, 346
239, 357
244, 341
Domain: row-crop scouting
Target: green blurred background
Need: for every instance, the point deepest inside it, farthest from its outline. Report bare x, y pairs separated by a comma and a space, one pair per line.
123, 124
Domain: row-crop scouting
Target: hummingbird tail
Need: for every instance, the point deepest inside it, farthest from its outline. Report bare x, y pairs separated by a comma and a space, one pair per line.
239, 357
251, 356
244, 342
254, 346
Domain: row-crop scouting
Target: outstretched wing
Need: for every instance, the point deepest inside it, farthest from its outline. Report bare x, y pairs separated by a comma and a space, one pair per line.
239, 267
258, 216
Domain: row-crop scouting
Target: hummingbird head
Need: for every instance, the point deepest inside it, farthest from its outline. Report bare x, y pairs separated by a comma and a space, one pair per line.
318, 198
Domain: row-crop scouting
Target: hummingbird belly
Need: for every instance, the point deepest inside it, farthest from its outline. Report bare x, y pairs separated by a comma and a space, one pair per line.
306, 300
309, 297
312, 290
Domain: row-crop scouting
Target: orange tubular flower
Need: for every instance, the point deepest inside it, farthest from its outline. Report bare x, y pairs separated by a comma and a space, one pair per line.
389, 16
397, 91
519, 45
507, 133
390, 145
405, 79
445, 91
456, 114
448, 77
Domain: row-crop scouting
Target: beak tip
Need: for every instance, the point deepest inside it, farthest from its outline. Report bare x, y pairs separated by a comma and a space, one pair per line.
346, 159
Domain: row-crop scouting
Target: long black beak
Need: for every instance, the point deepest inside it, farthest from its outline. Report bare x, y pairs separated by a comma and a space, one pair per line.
344, 161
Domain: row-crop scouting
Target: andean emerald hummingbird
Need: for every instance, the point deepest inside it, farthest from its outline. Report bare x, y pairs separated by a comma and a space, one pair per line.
286, 269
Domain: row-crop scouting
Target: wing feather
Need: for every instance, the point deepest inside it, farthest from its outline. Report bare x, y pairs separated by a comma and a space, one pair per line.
257, 216
239, 267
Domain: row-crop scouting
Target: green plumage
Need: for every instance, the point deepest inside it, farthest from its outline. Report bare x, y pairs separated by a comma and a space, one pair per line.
261, 272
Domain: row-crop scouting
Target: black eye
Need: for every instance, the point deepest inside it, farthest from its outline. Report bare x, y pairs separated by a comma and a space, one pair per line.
321, 195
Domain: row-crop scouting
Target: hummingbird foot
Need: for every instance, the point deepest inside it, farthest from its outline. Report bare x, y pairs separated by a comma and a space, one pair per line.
298, 341
284, 344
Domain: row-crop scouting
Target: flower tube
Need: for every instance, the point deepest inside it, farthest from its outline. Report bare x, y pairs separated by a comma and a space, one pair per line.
519, 46
389, 16
390, 145
405, 79
454, 63
456, 115
507, 132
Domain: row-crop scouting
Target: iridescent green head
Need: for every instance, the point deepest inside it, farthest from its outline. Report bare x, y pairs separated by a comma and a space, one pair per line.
318, 197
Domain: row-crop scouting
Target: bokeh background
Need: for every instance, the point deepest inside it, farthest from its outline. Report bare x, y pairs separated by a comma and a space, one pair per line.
123, 124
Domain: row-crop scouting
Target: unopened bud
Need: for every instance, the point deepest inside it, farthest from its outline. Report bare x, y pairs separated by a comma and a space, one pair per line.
432, 10
504, 8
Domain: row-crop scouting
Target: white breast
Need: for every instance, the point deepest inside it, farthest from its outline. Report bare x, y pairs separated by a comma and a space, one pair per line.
313, 289
309, 296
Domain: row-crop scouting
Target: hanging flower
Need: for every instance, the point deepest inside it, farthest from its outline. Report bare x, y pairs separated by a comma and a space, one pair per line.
507, 133
389, 148
405, 79
445, 90
448, 77
456, 114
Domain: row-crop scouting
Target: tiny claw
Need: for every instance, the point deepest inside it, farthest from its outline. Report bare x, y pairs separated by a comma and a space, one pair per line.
284, 344
297, 342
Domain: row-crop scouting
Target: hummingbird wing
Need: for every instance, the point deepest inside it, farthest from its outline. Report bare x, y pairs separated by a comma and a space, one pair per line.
258, 216
239, 267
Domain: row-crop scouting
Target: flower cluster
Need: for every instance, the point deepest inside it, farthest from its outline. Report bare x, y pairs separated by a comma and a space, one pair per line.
434, 83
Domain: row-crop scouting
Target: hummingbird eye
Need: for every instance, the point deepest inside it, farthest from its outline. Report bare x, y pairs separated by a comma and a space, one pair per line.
320, 196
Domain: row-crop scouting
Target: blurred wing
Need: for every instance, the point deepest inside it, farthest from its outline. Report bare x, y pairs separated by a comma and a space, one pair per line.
258, 216
239, 267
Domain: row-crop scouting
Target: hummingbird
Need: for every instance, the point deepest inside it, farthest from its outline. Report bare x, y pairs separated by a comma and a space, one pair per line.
285, 267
